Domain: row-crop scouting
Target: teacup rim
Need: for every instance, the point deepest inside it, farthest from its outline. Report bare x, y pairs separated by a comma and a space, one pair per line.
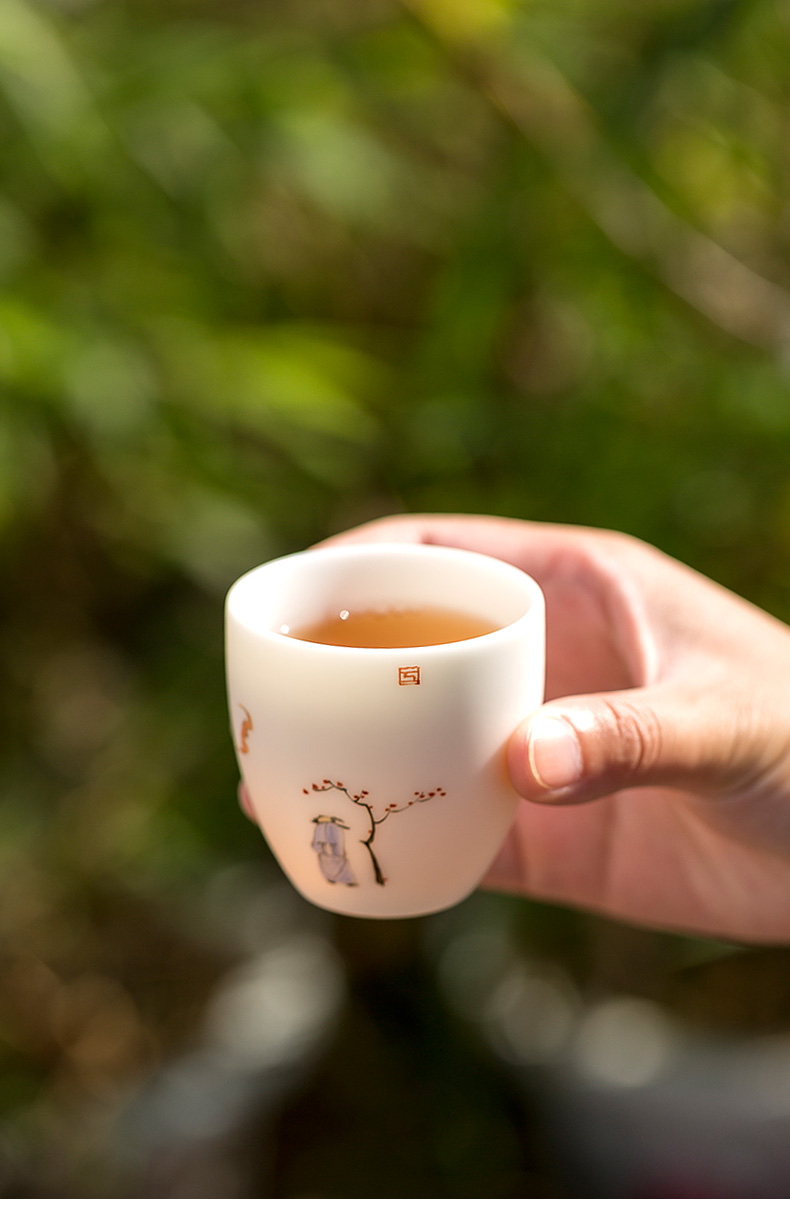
530, 586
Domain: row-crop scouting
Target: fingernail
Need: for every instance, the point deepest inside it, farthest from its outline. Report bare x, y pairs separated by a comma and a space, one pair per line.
555, 755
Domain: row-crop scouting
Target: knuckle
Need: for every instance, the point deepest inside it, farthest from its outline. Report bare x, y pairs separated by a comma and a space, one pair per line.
636, 735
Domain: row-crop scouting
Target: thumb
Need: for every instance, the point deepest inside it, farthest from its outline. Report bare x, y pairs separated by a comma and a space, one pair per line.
580, 748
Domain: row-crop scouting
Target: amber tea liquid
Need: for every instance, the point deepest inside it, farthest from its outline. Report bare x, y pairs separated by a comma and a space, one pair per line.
397, 628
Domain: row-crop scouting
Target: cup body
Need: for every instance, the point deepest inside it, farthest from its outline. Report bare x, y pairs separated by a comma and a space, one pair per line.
379, 775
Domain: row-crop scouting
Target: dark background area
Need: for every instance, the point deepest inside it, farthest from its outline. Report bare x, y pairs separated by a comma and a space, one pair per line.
268, 270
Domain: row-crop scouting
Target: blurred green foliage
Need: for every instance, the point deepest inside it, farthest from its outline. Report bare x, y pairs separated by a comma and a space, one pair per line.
269, 270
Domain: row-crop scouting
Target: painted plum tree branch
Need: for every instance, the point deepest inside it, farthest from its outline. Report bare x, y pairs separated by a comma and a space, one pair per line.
362, 800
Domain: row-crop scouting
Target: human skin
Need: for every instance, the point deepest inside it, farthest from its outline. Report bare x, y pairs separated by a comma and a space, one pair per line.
655, 781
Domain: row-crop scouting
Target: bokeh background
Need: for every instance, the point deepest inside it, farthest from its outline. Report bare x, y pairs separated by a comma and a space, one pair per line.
269, 268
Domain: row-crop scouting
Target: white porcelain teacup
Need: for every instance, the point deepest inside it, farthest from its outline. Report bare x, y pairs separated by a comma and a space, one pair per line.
379, 774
